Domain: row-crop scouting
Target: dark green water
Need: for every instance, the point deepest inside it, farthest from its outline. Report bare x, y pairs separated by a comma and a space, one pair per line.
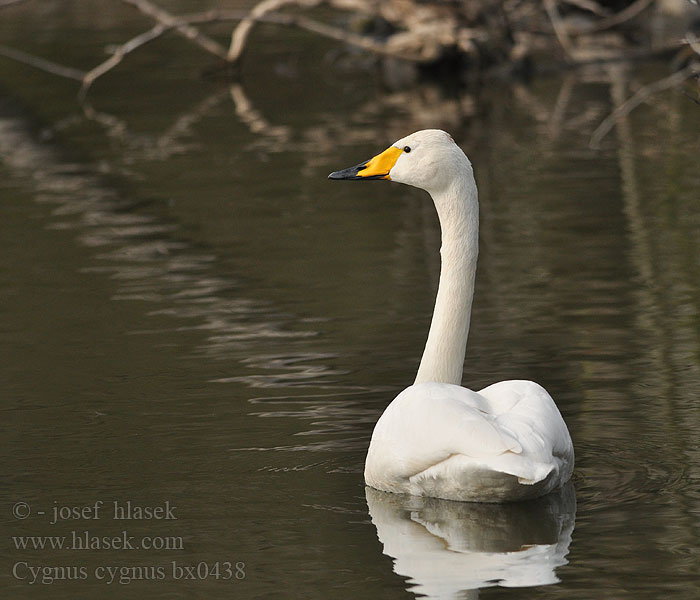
194, 318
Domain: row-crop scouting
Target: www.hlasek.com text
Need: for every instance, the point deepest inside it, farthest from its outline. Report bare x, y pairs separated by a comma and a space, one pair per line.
86, 540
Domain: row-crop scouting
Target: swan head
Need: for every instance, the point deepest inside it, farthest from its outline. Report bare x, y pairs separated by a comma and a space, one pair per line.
427, 159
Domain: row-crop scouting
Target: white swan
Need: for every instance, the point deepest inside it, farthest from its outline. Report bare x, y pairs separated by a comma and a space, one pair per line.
505, 442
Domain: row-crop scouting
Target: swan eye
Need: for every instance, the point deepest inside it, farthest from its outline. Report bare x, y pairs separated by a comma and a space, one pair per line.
406, 149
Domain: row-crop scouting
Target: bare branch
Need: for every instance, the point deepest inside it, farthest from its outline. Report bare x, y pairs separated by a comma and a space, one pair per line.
241, 32
618, 18
559, 29
413, 34
170, 21
640, 96
148, 36
298, 21
41, 63
119, 53
341, 35
588, 5
263, 12
224, 15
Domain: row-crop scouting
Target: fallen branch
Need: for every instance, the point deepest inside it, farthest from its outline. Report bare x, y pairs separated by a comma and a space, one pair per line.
119, 53
341, 35
260, 13
87, 79
170, 21
550, 7
298, 21
216, 15
41, 63
617, 19
263, 12
413, 30
241, 32
640, 96
588, 5
148, 36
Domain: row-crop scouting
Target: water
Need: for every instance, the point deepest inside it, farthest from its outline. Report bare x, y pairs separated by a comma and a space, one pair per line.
193, 315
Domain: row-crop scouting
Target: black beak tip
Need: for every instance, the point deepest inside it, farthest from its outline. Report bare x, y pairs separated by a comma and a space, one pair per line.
349, 173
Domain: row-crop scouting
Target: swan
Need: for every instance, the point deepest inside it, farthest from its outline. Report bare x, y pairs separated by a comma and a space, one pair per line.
505, 442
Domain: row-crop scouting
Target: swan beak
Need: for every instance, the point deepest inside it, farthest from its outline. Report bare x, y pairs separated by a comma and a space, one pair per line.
375, 168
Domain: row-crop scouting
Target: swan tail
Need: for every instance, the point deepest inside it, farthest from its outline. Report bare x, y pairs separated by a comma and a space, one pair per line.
527, 471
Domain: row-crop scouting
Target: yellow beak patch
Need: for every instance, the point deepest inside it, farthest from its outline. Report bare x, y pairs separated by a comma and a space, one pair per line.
380, 165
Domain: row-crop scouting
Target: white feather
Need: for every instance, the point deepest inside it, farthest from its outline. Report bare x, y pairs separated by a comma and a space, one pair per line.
506, 442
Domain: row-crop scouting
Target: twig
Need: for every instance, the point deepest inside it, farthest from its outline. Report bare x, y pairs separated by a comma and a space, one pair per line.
341, 35
559, 30
227, 15
305, 23
4, 3
118, 55
617, 19
640, 96
241, 32
170, 21
263, 12
41, 63
89, 77
588, 5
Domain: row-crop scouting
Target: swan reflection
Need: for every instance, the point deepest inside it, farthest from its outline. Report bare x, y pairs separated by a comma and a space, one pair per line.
446, 548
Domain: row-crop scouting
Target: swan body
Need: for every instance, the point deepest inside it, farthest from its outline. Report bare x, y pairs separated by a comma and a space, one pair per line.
438, 439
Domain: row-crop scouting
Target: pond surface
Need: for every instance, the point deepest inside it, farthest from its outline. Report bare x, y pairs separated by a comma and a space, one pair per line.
195, 319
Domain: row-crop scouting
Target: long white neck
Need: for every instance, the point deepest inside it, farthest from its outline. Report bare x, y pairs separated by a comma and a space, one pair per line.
458, 210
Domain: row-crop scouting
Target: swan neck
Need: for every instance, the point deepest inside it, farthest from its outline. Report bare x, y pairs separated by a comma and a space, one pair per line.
458, 211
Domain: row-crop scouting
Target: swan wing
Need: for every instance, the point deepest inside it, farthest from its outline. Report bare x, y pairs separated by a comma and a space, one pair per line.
429, 422
525, 409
